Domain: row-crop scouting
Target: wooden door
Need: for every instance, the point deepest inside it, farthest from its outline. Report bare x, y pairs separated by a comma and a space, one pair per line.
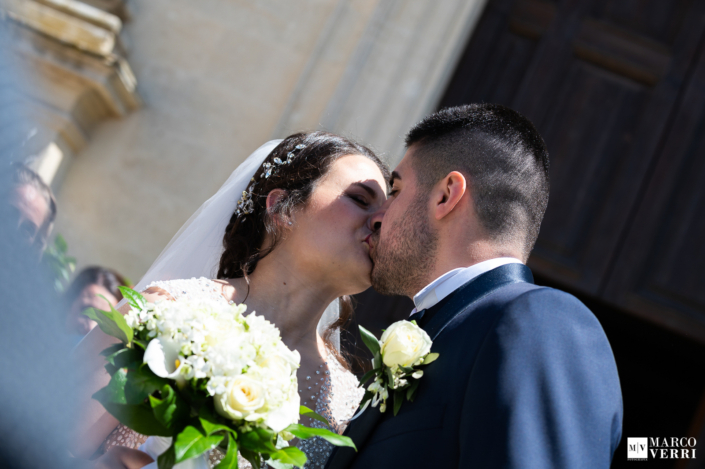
601, 80
660, 271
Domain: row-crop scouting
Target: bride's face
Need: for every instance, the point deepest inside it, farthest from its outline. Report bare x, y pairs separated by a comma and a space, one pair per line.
329, 236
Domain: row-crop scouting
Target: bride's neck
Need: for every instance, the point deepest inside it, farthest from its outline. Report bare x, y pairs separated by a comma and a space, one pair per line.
289, 296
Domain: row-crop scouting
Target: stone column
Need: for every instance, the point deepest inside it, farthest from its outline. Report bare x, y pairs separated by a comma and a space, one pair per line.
375, 87
74, 76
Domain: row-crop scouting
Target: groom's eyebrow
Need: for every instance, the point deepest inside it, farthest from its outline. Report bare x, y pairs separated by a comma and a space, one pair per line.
395, 176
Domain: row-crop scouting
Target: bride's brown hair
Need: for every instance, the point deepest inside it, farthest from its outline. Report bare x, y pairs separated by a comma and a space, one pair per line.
245, 234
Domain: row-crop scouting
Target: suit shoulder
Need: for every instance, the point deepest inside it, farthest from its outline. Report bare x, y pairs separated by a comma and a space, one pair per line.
545, 317
544, 303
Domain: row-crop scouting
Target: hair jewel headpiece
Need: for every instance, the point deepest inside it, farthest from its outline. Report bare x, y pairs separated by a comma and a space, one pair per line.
245, 206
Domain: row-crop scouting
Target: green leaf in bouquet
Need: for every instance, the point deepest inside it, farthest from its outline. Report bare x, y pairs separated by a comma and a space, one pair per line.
112, 349
258, 440
114, 392
210, 423
111, 369
230, 459
125, 358
304, 432
142, 343
430, 358
398, 400
133, 297
305, 411
370, 340
111, 322
140, 418
291, 456
141, 382
170, 409
192, 442
411, 391
167, 459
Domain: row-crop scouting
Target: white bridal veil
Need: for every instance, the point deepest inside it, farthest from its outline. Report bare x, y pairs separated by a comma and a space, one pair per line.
195, 249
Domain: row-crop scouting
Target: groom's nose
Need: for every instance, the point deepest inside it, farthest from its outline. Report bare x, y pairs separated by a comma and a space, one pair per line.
375, 220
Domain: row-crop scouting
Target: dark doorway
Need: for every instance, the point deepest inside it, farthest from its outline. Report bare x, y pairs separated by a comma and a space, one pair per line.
617, 89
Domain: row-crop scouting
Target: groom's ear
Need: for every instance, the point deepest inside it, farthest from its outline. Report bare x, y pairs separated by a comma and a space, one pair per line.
447, 193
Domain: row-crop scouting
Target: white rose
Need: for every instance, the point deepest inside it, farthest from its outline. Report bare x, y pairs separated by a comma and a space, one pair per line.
287, 413
403, 343
242, 398
278, 366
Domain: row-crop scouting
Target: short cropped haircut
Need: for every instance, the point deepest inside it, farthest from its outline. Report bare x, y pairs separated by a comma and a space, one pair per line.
502, 155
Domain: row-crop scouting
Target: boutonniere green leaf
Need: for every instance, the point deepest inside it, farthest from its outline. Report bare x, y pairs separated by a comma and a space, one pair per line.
397, 357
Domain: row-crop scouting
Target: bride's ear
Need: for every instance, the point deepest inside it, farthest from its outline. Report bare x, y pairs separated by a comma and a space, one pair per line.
273, 198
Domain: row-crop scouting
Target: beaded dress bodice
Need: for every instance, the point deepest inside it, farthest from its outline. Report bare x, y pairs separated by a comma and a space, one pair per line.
333, 392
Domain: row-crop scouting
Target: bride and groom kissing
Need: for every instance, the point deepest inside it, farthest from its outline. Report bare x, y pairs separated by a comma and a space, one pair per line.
526, 377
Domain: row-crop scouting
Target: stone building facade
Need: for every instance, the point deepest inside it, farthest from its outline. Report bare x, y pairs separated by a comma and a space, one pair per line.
143, 108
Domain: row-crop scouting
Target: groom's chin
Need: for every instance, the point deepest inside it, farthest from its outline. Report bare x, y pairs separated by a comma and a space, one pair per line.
379, 280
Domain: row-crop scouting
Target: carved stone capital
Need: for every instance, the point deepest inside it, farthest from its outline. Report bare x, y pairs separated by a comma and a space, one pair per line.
75, 72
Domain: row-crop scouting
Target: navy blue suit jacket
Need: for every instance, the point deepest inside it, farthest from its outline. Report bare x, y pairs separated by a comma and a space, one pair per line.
525, 379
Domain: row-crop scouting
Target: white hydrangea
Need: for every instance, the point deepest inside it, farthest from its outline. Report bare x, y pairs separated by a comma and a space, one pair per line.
250, 373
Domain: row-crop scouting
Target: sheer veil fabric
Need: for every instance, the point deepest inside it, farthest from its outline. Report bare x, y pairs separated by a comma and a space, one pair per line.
195, 249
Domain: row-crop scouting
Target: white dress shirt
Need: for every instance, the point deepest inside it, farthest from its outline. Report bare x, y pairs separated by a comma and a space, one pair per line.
451, 281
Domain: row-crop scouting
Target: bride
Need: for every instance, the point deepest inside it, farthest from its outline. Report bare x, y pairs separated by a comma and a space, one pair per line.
294, 243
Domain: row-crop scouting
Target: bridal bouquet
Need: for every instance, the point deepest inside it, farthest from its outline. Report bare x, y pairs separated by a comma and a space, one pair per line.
398, 354
206, 375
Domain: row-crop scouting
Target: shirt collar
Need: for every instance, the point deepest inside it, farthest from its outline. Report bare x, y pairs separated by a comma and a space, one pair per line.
454, 279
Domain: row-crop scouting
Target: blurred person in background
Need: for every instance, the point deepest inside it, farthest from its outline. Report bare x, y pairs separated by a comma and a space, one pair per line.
85, 292
36, 382
34, 206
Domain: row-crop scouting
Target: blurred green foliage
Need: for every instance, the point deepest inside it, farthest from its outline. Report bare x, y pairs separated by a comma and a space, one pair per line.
59, 262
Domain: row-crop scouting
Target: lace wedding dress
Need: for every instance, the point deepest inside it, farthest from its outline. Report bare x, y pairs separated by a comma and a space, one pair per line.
333, 392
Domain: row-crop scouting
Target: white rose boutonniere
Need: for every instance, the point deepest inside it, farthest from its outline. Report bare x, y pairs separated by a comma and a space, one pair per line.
403, 348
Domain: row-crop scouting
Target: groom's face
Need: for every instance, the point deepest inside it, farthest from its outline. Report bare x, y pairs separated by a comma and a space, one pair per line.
403, 244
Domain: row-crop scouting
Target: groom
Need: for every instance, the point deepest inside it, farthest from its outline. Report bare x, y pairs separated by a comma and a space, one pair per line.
526, 377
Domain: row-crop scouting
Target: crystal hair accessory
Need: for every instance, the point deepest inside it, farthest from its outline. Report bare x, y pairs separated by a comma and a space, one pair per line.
245, 206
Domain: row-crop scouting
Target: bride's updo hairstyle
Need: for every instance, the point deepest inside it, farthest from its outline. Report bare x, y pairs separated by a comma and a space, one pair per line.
246, 232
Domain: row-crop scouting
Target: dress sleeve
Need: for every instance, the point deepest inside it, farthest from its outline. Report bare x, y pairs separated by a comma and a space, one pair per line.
544, 391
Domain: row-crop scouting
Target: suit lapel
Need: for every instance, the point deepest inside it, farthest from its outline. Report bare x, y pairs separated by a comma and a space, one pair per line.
464, 297
437, 318
358, 430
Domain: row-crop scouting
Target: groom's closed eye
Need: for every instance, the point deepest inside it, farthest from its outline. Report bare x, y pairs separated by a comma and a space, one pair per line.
393, 184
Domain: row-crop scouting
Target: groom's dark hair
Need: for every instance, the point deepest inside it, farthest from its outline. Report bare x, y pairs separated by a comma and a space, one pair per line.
502, 155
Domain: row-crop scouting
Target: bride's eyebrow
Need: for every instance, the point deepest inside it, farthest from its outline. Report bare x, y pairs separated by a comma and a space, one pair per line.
367, 188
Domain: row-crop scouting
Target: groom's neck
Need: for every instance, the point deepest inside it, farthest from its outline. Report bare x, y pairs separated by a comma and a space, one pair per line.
455, 255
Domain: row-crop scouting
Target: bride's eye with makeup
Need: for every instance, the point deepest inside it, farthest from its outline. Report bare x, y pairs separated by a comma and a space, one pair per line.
360, 199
